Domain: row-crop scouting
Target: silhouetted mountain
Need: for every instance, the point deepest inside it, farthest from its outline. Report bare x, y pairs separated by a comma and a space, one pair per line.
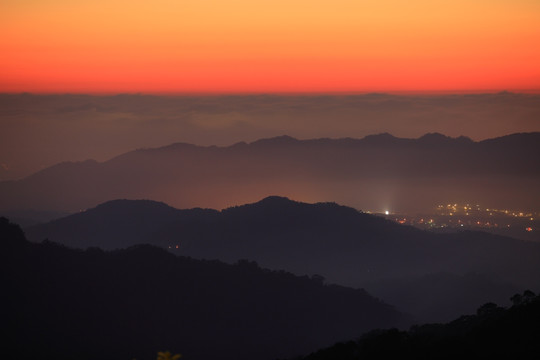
436, 139
60, 303
283, 140
493, 333
375, 172
346, 246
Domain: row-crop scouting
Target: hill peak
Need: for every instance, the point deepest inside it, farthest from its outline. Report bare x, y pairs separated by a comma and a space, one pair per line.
277, 140
435, 137
275, 199
129, 203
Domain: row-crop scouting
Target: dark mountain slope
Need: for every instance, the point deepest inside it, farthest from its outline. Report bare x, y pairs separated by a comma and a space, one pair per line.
62, 303
494, 332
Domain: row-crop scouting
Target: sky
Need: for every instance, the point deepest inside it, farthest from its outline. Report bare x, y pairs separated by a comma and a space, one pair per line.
246, 46
328, 57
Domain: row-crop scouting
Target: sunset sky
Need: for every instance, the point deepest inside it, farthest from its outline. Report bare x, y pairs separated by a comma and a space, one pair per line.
209, 46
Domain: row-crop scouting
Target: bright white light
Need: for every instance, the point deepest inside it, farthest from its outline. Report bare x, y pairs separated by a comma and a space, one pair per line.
387, 212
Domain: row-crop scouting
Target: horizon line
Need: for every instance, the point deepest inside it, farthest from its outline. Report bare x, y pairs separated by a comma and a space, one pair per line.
535, 91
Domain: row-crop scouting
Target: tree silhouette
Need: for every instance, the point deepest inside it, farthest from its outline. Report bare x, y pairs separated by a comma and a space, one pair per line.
487, 309
528, 296
167, 355
516, 299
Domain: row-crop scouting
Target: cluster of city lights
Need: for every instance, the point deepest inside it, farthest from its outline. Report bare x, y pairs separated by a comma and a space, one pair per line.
471, 216
467, 209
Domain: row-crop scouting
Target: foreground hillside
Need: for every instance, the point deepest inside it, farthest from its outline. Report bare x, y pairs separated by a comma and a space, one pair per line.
64, 304
375, 172
436, 277
494, 332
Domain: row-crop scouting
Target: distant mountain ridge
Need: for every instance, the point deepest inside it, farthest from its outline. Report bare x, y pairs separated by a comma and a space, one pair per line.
370, 173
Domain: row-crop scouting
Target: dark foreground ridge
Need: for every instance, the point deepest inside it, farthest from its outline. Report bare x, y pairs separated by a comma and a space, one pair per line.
61, 303
494, 332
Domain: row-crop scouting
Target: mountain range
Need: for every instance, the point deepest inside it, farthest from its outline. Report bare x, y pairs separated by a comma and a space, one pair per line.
65, 304
374, 173
434, 276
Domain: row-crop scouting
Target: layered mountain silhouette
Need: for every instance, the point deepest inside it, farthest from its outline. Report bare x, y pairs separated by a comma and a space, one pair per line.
493, 332
418, 270
64, 304
375, 172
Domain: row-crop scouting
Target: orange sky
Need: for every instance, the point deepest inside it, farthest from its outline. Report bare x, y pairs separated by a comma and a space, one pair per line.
269, 45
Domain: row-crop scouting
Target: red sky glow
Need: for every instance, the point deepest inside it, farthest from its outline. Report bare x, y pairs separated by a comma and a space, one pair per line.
218, 46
